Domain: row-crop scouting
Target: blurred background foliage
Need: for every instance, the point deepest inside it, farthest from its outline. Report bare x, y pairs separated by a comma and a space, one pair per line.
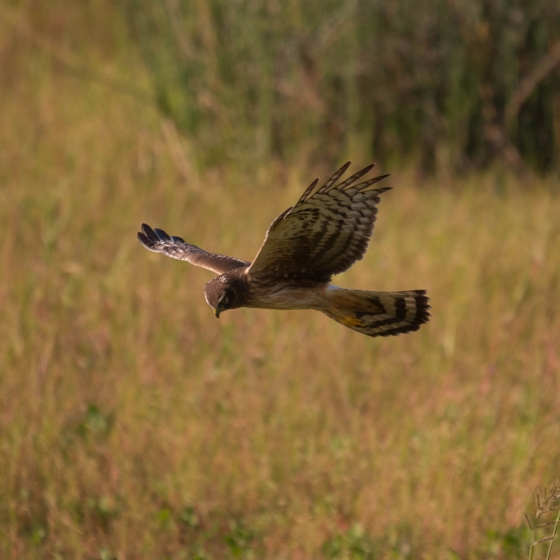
452, 83
456, 85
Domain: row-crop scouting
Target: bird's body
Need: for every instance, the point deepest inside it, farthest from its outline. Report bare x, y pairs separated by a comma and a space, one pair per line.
250, 292
322, 235
309, 295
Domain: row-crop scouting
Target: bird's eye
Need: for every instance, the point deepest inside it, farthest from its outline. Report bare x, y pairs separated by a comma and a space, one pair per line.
224, 300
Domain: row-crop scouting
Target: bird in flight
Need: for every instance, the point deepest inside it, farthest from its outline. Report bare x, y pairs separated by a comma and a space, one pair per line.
324, 234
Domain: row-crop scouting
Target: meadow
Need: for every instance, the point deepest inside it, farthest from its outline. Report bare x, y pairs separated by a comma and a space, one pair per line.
133, 424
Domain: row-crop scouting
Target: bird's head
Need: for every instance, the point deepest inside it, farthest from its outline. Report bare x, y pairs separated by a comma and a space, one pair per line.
219, 295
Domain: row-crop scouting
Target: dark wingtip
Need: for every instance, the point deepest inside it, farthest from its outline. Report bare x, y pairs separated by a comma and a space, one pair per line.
163, 235
147, 236
145, 240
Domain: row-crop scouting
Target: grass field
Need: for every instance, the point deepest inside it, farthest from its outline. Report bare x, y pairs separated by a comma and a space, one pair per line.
133, 424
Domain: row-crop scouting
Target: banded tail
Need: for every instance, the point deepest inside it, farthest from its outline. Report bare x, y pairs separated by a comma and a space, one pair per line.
379, 313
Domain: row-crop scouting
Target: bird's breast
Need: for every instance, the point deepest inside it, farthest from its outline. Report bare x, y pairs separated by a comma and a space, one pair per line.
279, 295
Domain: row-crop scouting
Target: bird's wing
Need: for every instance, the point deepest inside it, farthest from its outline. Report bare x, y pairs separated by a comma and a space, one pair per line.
324, 233
175, 247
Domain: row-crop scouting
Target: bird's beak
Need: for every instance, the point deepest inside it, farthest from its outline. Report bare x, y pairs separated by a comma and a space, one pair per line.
217, 313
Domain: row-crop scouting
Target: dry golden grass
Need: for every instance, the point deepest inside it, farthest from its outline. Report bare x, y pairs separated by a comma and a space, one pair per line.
135, 425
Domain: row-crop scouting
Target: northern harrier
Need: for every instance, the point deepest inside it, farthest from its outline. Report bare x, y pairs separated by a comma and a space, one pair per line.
322, 235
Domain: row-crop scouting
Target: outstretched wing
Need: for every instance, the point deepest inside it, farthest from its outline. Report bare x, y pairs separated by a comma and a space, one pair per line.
175, 247
325, 233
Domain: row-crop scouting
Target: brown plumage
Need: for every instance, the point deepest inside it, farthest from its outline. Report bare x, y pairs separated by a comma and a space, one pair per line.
322, 235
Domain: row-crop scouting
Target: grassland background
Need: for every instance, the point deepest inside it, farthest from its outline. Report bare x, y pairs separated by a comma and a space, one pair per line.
135, 425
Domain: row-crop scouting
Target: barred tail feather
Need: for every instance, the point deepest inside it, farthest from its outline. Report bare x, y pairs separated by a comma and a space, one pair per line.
379, 313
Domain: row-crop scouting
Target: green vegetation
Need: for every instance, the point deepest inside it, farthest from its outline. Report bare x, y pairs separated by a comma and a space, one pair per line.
453, 84
133, 424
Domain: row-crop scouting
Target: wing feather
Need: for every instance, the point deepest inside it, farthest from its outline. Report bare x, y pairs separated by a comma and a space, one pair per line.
308, 192
159, 241
325, 233
328, 185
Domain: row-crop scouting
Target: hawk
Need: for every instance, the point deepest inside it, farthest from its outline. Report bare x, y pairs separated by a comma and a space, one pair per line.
326, 231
